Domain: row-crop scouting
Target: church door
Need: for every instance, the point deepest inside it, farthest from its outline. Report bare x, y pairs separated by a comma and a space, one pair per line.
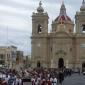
38, 64
83, 66
60, 63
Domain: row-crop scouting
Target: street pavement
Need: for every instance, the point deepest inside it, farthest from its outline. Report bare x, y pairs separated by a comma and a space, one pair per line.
74, 79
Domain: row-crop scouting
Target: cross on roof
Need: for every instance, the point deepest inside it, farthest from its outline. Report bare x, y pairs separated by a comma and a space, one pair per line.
62, 1
40, 3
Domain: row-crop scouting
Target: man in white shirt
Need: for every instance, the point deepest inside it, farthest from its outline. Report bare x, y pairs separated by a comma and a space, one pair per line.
54, 82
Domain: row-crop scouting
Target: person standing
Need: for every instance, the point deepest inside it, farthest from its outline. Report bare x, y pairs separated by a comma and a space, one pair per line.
17, 81
33, 81
61, 77
7, 78
11, 80
51, 80
4, 82
0, 81
54, 81
46, 82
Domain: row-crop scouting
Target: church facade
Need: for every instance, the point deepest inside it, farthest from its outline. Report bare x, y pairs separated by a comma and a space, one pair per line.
62, 46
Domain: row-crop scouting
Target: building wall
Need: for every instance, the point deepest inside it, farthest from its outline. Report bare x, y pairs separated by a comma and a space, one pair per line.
48, 48
19, 60
39, 50
9, 56
61, 49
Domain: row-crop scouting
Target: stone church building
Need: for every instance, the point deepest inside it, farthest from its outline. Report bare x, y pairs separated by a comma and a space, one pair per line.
62, 46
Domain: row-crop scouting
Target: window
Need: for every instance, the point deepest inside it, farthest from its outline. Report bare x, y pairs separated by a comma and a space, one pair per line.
2, 62
1, 56
83, 27
39, 28
82, 45
13, 54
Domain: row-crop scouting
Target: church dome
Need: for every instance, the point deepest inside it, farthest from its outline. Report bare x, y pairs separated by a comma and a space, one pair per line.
40, 8
83, 6
63, 16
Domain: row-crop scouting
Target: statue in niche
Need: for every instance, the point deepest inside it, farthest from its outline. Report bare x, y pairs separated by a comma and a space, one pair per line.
39, 28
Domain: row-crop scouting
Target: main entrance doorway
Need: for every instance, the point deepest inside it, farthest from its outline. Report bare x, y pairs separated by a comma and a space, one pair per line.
83, 66
60, 63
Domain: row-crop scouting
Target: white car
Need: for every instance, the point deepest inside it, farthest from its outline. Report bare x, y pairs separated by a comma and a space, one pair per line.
84, 73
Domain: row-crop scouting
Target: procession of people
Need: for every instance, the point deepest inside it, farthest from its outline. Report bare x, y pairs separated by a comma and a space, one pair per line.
38, 76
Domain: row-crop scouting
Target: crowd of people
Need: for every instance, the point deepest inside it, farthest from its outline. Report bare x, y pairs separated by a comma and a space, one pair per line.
38, 76
9, 77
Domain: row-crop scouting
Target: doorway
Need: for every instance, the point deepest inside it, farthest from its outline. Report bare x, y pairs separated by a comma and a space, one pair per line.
38, 64
83, 66
60, 63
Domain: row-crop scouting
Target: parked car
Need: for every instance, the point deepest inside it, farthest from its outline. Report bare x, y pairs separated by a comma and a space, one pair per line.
83, 72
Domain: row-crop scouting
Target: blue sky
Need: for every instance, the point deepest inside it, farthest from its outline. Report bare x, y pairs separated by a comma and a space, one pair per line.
15, 19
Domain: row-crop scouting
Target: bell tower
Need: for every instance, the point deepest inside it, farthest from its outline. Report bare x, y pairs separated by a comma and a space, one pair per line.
39, 21
80, 19
39, 37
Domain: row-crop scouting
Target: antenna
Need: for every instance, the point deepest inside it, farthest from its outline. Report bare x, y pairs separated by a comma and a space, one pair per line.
7, 36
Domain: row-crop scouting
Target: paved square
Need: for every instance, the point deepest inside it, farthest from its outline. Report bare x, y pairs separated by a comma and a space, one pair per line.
75, 79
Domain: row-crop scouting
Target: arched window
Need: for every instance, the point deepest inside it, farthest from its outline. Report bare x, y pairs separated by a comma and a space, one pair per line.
83, 27
39, 28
